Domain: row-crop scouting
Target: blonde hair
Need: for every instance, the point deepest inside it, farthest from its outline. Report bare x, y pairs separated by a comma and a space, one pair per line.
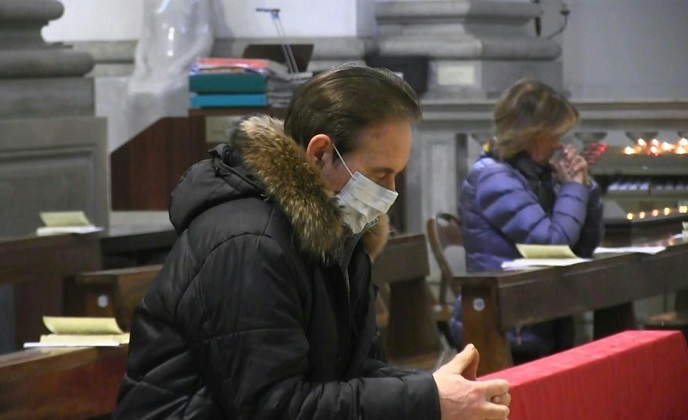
530, 111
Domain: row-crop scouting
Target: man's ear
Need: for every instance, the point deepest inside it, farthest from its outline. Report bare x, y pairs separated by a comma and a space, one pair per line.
319, 148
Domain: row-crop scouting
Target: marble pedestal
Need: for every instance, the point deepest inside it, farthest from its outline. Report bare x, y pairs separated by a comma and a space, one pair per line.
52, 149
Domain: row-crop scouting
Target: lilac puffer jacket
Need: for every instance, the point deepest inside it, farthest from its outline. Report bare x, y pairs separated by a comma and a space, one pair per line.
499, 209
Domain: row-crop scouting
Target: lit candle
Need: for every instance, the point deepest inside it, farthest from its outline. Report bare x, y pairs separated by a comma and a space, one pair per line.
654, 150
667, 211
680, 150
641, 215
642, 143
683, 142
655, 213
655, 142
683, 209
629, 150
629, 216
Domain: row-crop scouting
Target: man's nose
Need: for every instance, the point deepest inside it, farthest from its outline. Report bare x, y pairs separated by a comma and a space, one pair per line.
389, 184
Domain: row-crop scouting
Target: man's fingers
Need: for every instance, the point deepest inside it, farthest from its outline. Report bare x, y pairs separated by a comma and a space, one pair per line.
495, 411
498, 399
462, 360
504, 399
471, 370
495, 387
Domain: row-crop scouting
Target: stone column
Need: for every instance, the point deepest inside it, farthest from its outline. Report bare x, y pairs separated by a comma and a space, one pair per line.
36, 78
52, 149
477, 48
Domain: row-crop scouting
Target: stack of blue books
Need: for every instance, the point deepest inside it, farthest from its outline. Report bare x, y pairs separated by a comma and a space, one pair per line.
228, 89
241, 83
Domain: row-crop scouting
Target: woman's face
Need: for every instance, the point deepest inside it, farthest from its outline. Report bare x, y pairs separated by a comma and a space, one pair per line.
541, 150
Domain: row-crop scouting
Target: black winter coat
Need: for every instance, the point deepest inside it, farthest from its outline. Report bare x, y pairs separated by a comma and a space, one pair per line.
252, 315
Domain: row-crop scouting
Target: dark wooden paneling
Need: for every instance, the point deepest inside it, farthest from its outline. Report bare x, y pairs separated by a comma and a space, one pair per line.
145, 170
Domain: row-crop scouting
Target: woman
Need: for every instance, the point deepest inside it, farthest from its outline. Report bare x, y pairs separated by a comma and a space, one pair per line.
529, 188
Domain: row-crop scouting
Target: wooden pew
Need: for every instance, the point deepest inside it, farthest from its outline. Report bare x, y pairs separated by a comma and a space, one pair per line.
83, 383
75, 383
495, 302
412, 335
630, 232
624, 232
36, 267
109, 293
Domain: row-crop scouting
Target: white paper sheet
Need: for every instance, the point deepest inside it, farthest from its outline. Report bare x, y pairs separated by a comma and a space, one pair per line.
541, 262
46, 231
30, 345
629, 249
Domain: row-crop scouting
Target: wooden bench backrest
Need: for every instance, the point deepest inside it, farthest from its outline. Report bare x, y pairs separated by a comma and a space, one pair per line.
60, 383
110, 293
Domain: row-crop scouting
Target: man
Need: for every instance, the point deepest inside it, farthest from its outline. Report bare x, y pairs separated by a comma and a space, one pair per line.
264, 307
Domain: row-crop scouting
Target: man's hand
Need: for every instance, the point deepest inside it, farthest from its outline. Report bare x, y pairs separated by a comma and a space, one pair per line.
463, 398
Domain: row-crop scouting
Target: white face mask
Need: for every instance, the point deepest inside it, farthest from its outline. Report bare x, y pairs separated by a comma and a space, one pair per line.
363, 200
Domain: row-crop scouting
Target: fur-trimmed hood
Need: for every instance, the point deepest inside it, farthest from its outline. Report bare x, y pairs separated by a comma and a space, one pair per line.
261, 160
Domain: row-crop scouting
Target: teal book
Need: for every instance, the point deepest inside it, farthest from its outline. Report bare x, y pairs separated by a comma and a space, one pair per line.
227, 83
222, 101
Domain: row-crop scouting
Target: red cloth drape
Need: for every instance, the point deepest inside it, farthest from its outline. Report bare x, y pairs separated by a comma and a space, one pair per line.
630, 375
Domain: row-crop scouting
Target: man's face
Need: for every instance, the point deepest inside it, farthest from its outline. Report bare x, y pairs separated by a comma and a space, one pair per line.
381, 153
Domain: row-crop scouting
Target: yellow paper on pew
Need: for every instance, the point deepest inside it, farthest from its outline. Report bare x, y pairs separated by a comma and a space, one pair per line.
81, 325
81, 332
545, 251
65, 222
64, 218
